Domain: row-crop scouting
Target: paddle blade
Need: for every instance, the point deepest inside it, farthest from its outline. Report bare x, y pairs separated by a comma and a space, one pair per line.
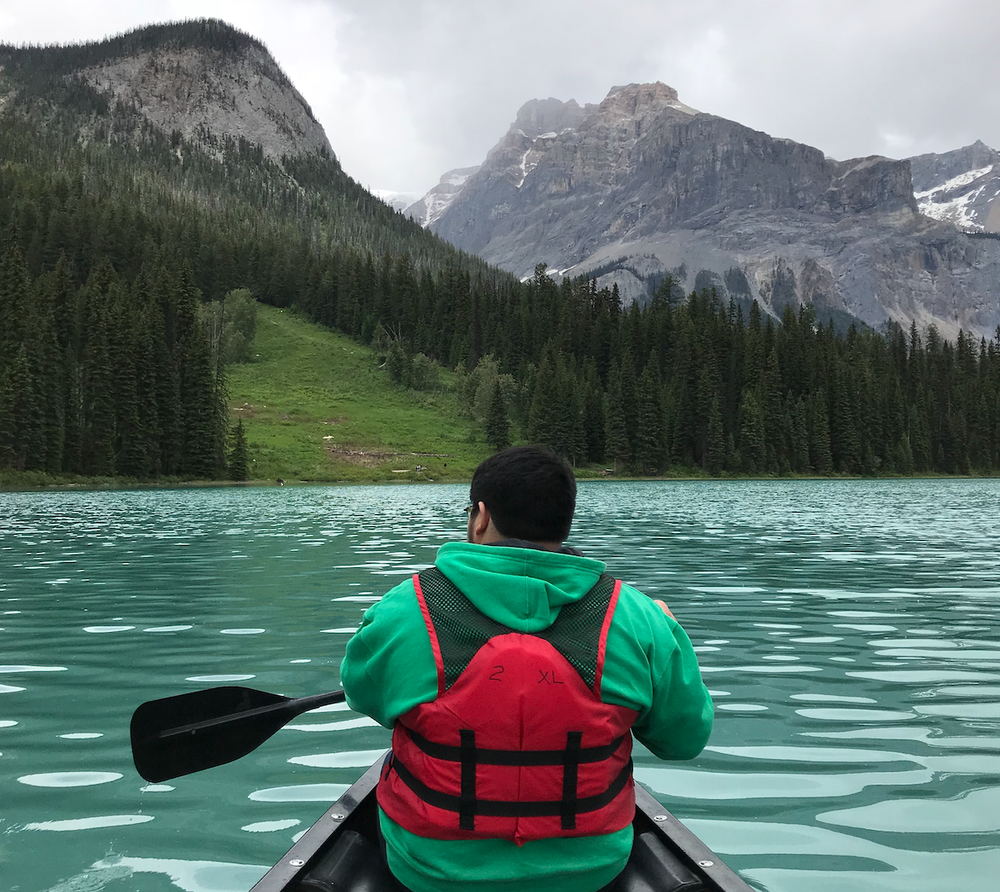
191, 732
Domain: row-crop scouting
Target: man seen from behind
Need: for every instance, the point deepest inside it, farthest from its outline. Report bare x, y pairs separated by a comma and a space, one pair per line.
513, 674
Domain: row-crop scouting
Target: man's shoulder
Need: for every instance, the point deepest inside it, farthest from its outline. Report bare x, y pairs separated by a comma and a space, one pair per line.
630, 592
401, 599
639, 610
402, 592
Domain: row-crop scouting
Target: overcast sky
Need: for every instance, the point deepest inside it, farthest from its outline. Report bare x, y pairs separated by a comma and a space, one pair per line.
408, 89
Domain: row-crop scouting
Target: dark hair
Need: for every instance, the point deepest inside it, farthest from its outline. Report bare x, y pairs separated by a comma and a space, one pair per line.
530, 492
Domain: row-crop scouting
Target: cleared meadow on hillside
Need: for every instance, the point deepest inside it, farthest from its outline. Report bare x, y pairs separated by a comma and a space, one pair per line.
316, 407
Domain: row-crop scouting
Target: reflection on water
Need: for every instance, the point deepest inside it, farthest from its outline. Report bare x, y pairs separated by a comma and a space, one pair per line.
847, 630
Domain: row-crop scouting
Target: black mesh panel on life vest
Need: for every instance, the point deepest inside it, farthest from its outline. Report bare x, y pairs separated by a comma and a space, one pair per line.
462, 630
577, 630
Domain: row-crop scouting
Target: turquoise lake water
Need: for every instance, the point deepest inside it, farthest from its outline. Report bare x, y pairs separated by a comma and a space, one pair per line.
847, 629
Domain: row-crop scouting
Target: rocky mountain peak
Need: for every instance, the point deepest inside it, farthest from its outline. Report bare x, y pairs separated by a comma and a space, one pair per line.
637, 101
544, 116
204, 80
546, 126
933, 170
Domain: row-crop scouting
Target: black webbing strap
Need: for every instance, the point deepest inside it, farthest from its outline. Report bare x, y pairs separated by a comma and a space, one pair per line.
467, 798
500, 808
571, 764
516, 758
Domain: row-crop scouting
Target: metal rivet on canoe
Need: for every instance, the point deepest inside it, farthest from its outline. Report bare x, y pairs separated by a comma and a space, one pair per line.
338, 817
706, 864
660, 818
296, 862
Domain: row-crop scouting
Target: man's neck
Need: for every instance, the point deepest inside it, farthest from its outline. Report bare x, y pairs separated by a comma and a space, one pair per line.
558, 547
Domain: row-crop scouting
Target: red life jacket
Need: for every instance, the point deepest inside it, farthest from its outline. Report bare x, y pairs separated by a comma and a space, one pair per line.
518, 744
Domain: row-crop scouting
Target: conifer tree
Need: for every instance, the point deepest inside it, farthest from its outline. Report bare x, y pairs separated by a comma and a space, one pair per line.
800, 437
617, 448
629, 398
16, 412
130, 442
593, 409
904, 456
753, 436
543, 417
497, 423
8, 426
573, 436
650, 429
14, 285
715, 444
774, 418
820, 449
198, 408
239, 460
844, 439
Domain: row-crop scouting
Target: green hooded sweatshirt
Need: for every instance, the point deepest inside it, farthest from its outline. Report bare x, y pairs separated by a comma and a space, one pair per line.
650, 667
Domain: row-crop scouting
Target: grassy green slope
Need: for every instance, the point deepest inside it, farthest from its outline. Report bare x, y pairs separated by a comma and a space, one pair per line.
316, 407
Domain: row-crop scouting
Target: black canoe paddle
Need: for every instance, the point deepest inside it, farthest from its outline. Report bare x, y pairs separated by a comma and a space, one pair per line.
191, 732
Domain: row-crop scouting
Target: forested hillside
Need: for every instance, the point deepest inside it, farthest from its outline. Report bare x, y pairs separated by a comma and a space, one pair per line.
119, 244
113, 234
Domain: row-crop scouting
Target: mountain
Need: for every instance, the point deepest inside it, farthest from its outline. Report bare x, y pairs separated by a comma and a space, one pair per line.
427, 209
198, 118
152, 186
960, 187
196, 81
190, 89
398, 201
538, 123
197, 109
642, 186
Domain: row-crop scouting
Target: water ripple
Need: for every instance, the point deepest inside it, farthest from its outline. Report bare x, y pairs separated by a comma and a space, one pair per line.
70, 778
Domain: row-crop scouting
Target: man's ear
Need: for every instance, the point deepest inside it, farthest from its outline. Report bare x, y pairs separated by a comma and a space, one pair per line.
481, 522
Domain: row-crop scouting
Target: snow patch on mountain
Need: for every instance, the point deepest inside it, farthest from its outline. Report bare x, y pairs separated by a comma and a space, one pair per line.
458, 177
959, 187
526, 168
942, 203
959, 211
957, 182
428, 209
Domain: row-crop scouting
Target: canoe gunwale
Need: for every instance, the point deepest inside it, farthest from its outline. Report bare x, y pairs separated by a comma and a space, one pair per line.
297, 859
715, 873
355, 809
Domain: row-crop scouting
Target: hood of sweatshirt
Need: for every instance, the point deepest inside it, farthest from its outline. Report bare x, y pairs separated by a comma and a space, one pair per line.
522, 587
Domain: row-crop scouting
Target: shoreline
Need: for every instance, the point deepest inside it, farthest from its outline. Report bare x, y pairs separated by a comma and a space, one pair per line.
119, 485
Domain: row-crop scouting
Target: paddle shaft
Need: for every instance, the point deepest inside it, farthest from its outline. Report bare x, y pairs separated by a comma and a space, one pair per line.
293, 707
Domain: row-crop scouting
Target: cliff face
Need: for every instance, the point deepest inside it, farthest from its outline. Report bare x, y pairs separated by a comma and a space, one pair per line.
642, 185
193, 89
200, 79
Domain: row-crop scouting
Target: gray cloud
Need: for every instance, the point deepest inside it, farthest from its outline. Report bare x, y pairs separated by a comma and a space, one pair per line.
407, 89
